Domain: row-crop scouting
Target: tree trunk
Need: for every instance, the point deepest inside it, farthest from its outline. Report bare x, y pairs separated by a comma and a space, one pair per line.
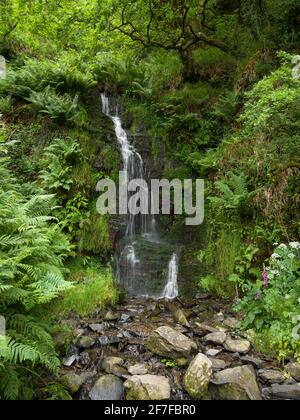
186, 57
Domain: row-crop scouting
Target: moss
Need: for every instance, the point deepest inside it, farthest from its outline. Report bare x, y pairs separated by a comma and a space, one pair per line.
94, 236
93, 288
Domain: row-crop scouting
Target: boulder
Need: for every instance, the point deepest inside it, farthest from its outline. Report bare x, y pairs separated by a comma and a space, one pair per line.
271, 376
97, 328
216, 338
108, 387
147, 387
294, 370
218, 364
237, 346
85, 342
213, 352
138, 369
110, 362
167, 342
287, 392
238, 383
197, 377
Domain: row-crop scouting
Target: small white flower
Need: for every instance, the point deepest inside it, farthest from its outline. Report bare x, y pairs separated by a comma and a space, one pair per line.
282, 246
295, 245
299, 300
275, 243
290, 255
275, 256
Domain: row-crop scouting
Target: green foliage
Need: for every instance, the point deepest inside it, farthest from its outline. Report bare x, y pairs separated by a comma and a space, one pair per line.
32, 251
58, 155
272, 307
94, 288
62, 109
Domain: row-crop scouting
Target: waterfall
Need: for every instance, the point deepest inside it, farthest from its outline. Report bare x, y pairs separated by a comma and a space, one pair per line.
141, 244
171, 289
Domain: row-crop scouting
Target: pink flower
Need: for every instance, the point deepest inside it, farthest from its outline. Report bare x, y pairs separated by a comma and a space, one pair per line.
265, 278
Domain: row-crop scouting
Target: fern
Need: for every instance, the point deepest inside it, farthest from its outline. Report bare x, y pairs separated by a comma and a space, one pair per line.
32, 250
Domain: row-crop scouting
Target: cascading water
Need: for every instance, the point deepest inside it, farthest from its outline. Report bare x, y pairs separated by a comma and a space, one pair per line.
142, 256
171, 289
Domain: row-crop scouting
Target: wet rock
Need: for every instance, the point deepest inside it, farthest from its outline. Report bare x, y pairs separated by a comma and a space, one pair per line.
180, 317
110, 362
212, 352
218, 364
272, 376
111, 316
165, 341
107, 340
85, 358
294, 370
237, 346
108, 387
85, 342
216, 338
138, 369
73, 382
197, 377
237, 383
287, 392
147, 387
254, 361
70, 360
97, 328
125, 318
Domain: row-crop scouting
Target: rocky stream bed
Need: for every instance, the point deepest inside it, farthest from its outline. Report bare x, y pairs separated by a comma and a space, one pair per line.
157, 350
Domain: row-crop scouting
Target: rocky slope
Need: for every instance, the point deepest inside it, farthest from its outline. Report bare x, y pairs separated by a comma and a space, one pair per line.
146, 349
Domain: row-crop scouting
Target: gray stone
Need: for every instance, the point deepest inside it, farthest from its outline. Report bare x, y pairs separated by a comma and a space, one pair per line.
216, 338
108, 387
294, 370
167, 342
206, 327
110, 362
98, 328
107, 340
258, 363
237, 383
111, 316
212, 352
138, 369
237, 346
272, 376
70, 360
197, 377
288, 392
85, 342
125, 318
147, 387
218, 364
180, 317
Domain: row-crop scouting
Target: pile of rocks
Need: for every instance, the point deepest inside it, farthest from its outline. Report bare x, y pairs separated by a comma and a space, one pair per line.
150, 352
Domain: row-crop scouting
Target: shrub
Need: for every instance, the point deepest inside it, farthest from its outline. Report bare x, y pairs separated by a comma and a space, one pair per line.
271, 305
32, 250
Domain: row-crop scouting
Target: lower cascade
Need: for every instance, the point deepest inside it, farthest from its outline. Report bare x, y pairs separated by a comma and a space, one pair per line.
171, 289
146, 264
